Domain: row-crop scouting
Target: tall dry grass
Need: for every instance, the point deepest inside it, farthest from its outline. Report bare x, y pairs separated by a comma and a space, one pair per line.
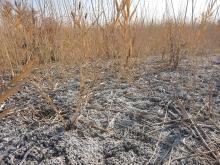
110, 31
28, 32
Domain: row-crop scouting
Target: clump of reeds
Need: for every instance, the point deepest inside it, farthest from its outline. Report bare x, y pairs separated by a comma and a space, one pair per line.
88, 37
84, 35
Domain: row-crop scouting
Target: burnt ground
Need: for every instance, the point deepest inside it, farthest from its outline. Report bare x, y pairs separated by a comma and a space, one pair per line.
161, 117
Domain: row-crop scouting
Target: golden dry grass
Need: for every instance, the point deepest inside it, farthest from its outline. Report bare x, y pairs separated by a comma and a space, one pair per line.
27, 35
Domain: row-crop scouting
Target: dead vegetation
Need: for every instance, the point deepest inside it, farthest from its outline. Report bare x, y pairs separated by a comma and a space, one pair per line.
28, 35
79, 38
35, 37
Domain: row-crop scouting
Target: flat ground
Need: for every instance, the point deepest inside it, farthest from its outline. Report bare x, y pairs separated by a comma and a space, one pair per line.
161, 117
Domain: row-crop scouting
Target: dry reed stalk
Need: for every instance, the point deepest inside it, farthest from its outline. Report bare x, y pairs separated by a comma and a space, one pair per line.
82, 101
206, 16
17, 81
26, 70
9, 93
50, 102
195, 126
6, 113
25, 32
123, 19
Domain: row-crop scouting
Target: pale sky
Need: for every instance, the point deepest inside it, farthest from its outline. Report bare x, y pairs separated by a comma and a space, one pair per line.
157, 8
147, 9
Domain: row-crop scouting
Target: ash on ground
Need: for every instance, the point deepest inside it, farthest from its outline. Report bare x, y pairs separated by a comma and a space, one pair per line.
161, 117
